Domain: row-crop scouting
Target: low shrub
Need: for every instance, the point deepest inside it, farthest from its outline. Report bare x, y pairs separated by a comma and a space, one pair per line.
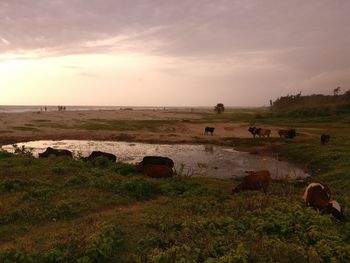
77, 181
103, 247
139, 188
15, 256
125, 169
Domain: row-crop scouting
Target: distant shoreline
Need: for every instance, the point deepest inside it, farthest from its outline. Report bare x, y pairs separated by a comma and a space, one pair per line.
36, 108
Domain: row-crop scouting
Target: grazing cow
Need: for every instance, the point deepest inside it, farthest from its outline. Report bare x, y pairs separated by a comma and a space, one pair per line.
318, 196
56, 152
255, 180
291, 133
325, 138
155, 170
260, 132
208, 130
254, 131
97, 154
157, 160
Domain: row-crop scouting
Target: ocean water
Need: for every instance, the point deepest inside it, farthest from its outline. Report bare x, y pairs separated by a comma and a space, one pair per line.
14, 109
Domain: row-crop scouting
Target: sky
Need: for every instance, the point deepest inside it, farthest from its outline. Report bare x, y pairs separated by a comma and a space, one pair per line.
171, 53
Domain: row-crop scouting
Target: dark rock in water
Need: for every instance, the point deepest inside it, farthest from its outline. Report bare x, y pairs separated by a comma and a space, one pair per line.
55, 152
157, 160
98, 154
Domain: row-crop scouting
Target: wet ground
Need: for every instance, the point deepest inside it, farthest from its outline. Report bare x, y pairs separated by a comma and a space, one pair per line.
190, 160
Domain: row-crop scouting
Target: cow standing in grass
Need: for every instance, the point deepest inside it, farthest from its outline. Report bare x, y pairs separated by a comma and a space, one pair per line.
290, 134
209, 130
325, 138
260, 132
255, 180
318, 196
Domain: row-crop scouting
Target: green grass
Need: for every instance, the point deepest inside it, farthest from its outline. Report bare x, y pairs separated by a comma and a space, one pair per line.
62, 210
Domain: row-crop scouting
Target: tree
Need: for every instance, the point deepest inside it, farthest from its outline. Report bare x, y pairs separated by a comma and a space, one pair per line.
336, 91
219, 108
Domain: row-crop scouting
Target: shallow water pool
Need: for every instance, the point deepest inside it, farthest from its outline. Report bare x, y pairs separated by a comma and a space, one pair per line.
190, 160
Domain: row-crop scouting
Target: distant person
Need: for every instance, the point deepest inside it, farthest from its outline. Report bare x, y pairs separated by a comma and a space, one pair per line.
45, 108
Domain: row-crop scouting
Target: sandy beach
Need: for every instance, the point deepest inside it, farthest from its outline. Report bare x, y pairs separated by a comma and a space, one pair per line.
126, 125
162, 126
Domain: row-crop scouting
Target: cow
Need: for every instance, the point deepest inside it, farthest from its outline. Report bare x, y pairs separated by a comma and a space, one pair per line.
209, 130
291, 133
318, 196
260, 132
157, 160
155, 170
325, 138
255, 180
56, 152
97, 154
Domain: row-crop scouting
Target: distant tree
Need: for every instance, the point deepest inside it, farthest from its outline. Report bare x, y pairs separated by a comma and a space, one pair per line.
271, 103
336, 91
219, 108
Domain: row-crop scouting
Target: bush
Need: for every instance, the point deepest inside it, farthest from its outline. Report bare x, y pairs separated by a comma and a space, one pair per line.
178, 187
63, 210
139, 188
55, 255
77, 181
15, 256
103, 247
12, 185
125, 169
102, 162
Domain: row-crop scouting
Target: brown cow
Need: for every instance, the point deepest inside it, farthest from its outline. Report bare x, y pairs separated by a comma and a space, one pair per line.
255, 180
318, 196
155, 170
264, 133
260, 132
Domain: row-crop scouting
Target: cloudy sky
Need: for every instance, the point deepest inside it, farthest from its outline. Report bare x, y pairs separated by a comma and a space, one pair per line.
171, 52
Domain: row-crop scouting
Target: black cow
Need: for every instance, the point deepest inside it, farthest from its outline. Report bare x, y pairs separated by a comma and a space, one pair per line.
56, 152
291, 133
97, 154
208, 130
325, 138
253, 131
157, 160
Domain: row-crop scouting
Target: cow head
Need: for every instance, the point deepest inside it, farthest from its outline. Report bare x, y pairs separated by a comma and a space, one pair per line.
252, 129
336, 210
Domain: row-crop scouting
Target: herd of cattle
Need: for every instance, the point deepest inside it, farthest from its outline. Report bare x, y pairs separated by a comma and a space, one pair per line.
266, 133
316, 195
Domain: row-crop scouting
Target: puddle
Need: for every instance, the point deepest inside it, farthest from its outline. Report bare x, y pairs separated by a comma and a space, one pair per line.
191, 160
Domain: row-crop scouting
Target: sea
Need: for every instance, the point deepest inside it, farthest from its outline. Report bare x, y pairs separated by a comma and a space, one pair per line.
16, 109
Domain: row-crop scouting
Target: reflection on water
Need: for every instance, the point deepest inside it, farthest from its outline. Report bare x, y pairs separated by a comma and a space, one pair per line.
206, 160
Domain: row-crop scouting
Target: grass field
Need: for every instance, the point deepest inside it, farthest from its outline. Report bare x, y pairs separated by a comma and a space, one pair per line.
61, 210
